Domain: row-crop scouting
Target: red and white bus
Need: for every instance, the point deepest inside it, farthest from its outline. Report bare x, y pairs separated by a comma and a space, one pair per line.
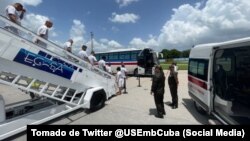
144, 59
218, 80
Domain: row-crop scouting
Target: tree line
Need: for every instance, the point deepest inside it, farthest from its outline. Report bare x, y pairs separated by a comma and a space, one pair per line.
174, 53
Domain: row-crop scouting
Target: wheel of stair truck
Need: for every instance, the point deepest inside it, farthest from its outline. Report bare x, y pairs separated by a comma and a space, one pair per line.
136, 72
98, 100
199, 109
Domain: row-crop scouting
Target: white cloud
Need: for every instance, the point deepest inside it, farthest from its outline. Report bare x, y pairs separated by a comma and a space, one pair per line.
98, 46
33, 22
140, 44
54, 34
104, 45
124, 18
5, 3
88, 13
114, 44
115, 29
213, 21
77, 33
123, 3
104, 40
30, 2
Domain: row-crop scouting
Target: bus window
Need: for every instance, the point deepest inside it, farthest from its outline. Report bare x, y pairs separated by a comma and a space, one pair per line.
155, 59
122, 56
106, 55
134, 55
115, 56
97, 57
111, 57
127, 56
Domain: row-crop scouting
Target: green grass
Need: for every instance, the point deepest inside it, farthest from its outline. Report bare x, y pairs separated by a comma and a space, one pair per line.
178, 62
180, 66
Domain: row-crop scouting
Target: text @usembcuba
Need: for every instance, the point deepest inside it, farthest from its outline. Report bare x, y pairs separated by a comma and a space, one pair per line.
119, 133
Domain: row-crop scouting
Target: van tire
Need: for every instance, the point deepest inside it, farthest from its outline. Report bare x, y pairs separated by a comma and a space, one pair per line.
199, 109
97, 101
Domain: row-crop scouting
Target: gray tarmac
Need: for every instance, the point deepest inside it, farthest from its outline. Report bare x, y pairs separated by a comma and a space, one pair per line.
135, 108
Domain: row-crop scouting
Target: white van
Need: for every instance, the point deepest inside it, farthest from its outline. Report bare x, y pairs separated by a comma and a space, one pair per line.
219, 80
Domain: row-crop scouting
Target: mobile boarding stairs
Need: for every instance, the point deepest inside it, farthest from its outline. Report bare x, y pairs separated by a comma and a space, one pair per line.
63, 81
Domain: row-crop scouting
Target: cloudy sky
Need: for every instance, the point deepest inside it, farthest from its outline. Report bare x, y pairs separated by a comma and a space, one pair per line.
158, 24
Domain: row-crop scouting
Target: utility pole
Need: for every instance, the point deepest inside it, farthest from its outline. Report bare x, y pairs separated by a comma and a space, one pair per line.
92, 43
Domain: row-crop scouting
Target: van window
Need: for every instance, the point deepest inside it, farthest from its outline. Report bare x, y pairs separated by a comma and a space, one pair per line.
198, 68
193, 67
201, 69
225, 63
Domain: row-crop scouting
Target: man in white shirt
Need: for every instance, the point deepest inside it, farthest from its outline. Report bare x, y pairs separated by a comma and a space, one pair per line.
119, 81
68, 45
102, 63
82, 54
92, 58
43, 31
108, 68
12, 13
175, 66
124, 73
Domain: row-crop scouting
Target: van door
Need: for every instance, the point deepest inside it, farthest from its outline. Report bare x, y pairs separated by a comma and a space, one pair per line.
198, 82
231, 75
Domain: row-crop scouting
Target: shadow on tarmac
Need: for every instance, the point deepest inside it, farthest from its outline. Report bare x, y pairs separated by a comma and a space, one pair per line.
168, 103
189, 104
152, 111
